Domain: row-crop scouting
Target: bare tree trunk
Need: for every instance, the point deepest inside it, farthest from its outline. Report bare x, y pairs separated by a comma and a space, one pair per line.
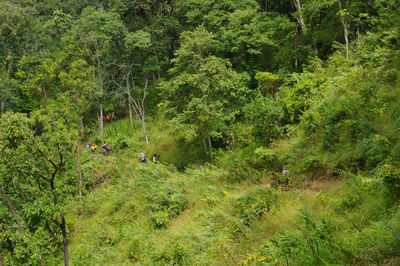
154, 77
65, 239
130, 111
3, 107
315, 48
144, 130
300, 20
266, 7
210, 145
128, 91
204, 144
158, 70
137, 103
233, 140
101, 120
358, 34
78, 150
346, 37
12, 209
295, 47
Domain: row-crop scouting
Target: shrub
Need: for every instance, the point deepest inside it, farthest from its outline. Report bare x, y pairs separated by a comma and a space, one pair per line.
390, 175
159, 219
166, 199
266, 158
237, 164
134, 250
353, 193
172, 254
254, 204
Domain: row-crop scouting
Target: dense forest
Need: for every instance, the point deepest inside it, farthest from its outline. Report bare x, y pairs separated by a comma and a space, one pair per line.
226, 93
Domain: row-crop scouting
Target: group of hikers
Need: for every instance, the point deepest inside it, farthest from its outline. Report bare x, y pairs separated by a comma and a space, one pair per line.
284, 180
143, 158
108, 118
92, 147
106, 148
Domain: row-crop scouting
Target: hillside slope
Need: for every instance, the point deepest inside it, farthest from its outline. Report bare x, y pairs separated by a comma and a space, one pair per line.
154, 214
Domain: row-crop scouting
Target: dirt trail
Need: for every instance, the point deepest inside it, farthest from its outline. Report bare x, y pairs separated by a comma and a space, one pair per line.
318, 185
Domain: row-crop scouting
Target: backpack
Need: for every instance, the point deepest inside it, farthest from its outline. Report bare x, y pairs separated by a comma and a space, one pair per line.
107, 147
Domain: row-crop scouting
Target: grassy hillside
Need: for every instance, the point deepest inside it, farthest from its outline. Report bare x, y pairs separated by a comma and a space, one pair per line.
154, 214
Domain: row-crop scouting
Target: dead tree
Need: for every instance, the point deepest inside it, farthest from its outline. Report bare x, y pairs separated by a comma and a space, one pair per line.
300, 20
346, 35
136, 101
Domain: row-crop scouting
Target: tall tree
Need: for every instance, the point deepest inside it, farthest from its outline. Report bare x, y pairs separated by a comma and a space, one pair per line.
80, 87
37, 148
346, 35
204, 88
99, 32
299, 16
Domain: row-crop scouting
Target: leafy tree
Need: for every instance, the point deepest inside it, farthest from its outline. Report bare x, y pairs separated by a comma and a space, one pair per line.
80, 88
21, 33
265, 114
10, 99
35, 151
99, 33
204, 88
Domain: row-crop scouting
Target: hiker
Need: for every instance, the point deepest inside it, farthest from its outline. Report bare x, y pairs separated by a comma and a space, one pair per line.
201, 168
142, 158
285, 174
155, 158
106, 148
109, 118
91, 146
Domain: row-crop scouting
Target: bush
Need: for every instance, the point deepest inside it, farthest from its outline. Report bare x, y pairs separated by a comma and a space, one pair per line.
166, 199
254, 204
134, 250
379, 242
353, 193
237, 164
266, 158
172, 254
159, 219
376, 150
390, 175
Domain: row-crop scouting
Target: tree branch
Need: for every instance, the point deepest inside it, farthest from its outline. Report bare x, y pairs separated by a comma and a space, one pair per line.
55, 239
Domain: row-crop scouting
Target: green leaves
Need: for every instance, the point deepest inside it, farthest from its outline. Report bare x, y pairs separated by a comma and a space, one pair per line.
34, 151
138, 39
207, 83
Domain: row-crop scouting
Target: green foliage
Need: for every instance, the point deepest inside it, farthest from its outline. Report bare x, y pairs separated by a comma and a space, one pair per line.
34, 155
266, 116
173, 254
10, 94
390, 175
211, 87
254, 204
266, 158
354, 191
165, 202
245, 76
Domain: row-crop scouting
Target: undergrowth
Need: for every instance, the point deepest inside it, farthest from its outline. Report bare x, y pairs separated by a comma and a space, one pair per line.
153, 214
